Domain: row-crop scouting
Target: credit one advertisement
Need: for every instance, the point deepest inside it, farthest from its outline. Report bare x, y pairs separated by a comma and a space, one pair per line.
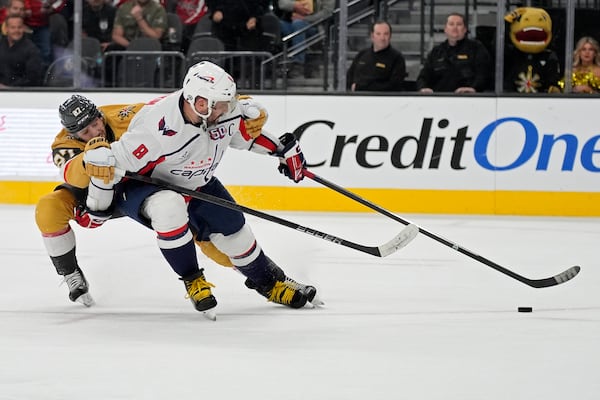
402, 142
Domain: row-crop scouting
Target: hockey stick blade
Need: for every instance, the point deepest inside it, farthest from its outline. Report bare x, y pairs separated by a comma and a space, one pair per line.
558, 279
564, 276
399, 241
402, 239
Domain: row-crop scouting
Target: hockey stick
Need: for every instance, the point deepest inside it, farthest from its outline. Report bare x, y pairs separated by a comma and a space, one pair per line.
398, 242
564, 276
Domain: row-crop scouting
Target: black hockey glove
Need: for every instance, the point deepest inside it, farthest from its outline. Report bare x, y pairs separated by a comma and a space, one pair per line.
291, 159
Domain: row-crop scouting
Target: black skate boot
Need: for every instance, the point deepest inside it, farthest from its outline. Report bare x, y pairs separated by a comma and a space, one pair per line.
66, 266
284, 290
79, 288
198, 291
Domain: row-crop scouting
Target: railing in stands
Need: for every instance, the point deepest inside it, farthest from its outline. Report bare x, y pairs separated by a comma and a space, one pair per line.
136, 69
250, 69
327, 34
166, 69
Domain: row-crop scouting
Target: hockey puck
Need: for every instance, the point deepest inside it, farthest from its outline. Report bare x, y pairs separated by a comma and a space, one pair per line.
525, 309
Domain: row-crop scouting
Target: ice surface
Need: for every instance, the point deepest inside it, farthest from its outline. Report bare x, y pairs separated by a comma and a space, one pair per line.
424, 323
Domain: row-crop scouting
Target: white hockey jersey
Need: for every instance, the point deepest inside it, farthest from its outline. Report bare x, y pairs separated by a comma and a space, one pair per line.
161, 144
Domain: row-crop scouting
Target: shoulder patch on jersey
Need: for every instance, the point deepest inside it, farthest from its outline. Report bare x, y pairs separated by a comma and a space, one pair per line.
219, 132
126, 111
162, 127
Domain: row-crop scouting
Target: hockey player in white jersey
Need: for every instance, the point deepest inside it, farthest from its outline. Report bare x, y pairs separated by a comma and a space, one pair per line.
181, 139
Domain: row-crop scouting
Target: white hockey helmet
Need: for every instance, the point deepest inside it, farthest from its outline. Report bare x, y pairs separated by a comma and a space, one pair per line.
210, 81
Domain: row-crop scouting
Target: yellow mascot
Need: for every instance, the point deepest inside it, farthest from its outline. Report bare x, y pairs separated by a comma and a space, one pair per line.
529, 66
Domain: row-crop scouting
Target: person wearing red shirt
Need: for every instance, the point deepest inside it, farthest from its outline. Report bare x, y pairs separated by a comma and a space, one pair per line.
14, 7
38, 20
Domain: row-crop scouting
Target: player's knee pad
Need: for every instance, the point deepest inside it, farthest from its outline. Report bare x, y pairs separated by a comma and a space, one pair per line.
241, 247
166, 210
168, 216
54, 210
209, 250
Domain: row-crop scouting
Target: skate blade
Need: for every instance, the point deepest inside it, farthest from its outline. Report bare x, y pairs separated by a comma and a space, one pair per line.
86, 299
210, 314
315, 303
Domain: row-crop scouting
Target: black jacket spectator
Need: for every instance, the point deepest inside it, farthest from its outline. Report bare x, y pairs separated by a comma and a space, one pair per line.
235, 22
383, 70
20, 59
97, 21
449, 67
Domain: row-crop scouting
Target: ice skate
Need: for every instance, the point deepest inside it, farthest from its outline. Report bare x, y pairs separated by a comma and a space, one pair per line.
287, 291
309, 291
79, 288
199, 293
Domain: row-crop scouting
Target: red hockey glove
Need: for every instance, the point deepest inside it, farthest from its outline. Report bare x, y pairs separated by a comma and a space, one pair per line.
291, 159
91, 219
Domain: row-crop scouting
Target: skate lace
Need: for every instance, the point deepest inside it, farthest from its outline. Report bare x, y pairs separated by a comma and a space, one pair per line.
195, 288
293, 284
282, 293
74, 280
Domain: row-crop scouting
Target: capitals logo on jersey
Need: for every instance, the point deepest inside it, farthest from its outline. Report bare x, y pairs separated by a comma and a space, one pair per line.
166, 131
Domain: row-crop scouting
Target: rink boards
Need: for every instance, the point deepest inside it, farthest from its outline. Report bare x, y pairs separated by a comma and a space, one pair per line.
421, 154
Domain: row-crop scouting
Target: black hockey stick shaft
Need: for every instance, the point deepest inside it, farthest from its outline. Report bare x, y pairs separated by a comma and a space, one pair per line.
379, 251
536, 283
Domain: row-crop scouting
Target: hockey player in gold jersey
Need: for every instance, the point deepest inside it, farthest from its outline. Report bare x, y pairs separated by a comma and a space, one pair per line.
82, 121
89, 201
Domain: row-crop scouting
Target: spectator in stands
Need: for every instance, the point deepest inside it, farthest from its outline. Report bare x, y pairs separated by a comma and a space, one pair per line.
3, 11
138, 18
21, 62
235, 22
458, 65
62, 31
39, 21
14, 7
586, 67
298, 14
97, 21
379, 67
189, 12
